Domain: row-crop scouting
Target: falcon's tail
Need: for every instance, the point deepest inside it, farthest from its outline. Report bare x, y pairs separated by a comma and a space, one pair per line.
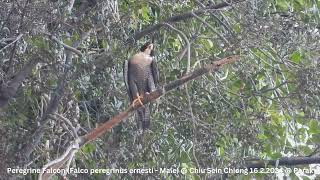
143, 117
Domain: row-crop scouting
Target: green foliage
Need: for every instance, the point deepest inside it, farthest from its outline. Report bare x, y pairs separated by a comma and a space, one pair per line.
296, 57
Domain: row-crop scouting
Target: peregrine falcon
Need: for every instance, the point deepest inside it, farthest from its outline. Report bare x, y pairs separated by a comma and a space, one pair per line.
141, 77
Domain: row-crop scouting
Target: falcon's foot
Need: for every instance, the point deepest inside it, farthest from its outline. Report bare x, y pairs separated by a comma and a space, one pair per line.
137, 99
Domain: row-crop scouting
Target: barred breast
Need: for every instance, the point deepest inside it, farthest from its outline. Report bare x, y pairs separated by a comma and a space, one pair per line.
140, 71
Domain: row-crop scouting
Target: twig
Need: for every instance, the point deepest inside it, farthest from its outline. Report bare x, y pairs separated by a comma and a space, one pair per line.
185, 48
212, 14
188, 44
72, 49
273, 88
186, 86
70, 6
88, 115
212, 28
63, 161
17, 39
58, 116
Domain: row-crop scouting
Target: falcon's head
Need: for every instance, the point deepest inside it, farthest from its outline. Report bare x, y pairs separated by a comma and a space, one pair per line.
147, 48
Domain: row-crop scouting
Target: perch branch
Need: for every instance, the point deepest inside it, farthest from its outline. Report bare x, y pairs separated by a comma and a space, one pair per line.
156, 94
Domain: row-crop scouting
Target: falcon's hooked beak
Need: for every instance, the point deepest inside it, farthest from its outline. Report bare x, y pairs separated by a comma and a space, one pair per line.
152, 50
148, 48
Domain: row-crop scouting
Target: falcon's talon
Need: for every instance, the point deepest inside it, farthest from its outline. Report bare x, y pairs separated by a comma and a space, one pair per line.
139, 100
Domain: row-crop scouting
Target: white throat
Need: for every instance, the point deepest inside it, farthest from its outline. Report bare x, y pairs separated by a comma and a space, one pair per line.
147, 52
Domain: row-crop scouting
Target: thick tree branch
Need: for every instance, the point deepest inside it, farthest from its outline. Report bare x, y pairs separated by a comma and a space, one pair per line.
179, 17
9, 89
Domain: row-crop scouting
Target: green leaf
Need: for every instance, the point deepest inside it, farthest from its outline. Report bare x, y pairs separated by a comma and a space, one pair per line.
305, 149
184, 157
293, 176
144, 11
262, 137
296, 57
88, 148
306, 178
314, 127
315, 138
237, 28
276, 118
208, 44
282, 4
301, 2
221, 151
276, 155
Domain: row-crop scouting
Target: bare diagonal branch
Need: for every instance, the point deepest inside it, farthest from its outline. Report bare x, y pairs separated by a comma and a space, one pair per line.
156, 94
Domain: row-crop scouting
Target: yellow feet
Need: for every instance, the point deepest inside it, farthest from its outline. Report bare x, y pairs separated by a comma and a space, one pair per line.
137, 99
